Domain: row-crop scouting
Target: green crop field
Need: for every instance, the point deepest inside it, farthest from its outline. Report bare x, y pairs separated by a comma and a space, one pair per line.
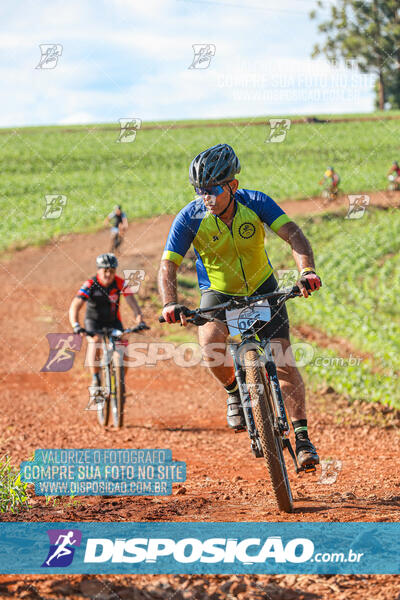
150, 175
358, 261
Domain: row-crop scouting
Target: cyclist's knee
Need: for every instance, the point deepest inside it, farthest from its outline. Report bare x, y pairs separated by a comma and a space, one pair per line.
212, 333
93, 339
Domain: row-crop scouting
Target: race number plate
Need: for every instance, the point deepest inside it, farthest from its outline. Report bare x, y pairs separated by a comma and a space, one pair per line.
239, 320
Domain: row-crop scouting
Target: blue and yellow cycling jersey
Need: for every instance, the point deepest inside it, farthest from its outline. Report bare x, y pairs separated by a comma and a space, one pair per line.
233, 261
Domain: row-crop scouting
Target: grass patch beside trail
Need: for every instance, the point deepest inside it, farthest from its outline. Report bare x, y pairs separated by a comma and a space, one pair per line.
358, 261
13, 494
150, 175
348, 376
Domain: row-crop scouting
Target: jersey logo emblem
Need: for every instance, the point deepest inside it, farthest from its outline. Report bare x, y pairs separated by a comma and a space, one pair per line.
215, 238
247, 230
113, 297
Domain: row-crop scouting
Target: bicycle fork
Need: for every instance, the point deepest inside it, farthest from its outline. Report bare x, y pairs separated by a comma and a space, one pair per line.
282, 418
236, 352
107, 354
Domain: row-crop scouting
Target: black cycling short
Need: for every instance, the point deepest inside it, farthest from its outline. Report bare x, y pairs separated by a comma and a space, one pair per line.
278, 327
97, 326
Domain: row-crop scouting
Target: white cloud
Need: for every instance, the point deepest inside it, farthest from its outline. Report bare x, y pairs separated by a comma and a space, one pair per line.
131, 58
77, 118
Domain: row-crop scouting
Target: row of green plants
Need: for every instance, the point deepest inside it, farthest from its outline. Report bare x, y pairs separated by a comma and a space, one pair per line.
149, 176
358, 261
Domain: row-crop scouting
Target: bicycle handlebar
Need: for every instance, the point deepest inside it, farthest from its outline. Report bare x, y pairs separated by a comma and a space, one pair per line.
282, 295
140, 327
109, 330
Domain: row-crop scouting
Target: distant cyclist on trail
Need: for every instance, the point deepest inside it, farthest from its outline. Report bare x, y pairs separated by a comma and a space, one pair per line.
101, 294
331, 179
226, 227
119, 226
394, 171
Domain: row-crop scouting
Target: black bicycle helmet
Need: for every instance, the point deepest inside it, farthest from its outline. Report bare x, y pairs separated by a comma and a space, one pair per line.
107, 261
214, 166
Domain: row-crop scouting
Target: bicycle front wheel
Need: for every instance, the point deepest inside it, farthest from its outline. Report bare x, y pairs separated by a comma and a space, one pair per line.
270, 439
118, 397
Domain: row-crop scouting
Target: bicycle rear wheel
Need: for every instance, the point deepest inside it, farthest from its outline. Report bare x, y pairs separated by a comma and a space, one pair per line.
118, 397
103, 408
270, 439
116, 243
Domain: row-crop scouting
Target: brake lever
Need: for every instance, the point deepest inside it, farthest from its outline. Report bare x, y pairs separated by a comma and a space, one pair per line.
200, 320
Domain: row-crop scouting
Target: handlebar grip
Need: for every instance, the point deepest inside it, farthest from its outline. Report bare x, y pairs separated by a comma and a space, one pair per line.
89, 333
161, 319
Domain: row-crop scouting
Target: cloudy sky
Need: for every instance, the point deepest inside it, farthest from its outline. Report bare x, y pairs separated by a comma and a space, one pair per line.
131, 59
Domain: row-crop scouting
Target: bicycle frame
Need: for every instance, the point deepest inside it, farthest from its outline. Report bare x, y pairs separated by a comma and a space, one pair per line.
264, 349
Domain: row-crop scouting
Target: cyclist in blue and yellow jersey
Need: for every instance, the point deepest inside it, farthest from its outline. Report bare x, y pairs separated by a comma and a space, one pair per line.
226, 227
332, 178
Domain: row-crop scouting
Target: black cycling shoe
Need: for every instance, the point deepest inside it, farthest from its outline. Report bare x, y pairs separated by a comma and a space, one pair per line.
234, 414
306, 454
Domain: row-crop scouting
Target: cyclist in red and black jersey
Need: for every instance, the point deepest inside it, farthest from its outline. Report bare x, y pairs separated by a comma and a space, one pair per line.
395, 172
102, 295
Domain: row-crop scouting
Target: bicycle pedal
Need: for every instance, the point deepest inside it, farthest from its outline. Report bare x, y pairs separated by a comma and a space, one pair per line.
240, 429
309, 469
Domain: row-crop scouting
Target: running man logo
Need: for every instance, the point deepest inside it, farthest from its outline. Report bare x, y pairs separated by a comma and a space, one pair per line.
50, 53
61, 552
253, 391
54, 206
357, 206
128, 129
278, 130
329, 471
133, 279
287, 277
97, 395
248, 317
63, 347
203, 54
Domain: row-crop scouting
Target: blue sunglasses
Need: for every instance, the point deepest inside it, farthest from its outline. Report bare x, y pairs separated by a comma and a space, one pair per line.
214, 190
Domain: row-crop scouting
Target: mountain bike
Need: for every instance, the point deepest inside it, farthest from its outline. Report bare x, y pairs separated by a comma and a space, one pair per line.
262, 402
116, 242
330, 194
111, 392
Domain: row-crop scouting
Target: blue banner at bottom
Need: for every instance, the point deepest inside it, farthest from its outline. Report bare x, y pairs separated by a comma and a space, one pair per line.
194, 548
